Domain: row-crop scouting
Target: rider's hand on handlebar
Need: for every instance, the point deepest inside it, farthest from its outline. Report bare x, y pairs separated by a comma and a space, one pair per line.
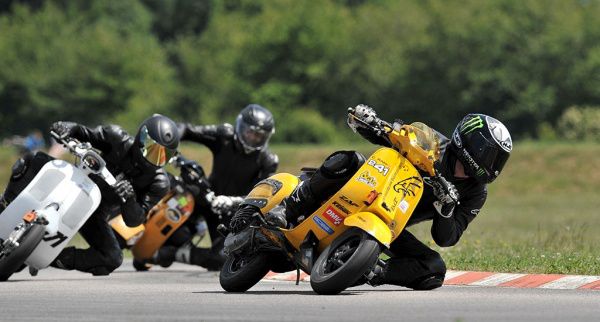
365, 114
446, 194
61, 129
124, 190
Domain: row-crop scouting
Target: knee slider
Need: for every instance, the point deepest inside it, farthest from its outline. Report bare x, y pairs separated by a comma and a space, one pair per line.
114, 259
437, 265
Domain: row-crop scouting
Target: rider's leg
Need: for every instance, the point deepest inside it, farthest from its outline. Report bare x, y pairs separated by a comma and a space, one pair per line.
102, 257
413, 265
180, 248
335, 171
23, 171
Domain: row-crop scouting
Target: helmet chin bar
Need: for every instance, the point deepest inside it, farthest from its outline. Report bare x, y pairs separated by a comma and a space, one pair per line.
472, 168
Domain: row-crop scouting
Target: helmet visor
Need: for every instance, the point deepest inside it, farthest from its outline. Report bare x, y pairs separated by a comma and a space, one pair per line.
153, 152
252, 136
488, 154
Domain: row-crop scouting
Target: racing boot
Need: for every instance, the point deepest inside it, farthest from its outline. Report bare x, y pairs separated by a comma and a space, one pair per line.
210, 258
293, 208
65, 260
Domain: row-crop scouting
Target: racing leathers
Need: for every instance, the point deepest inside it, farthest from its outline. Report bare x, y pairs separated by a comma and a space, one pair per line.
146, 184
234, 173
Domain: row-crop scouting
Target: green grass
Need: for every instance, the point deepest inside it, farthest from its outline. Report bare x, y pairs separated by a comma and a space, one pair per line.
542, 214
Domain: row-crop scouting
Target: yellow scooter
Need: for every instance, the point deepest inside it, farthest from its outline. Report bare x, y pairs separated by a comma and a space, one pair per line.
340, 242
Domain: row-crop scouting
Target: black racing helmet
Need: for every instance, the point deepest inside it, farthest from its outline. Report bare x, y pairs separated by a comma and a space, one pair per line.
158, 139
483, 145
254, 127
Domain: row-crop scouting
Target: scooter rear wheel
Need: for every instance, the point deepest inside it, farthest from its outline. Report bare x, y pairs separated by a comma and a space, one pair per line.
240, 273
344, 261
30, 240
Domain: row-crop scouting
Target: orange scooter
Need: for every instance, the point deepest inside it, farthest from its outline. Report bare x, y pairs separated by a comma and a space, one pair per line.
171, 212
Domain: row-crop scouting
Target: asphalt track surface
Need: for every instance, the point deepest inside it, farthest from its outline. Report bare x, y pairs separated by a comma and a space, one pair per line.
188, 293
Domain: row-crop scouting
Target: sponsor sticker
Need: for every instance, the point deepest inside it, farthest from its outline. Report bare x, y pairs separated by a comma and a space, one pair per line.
367, 179
349, 201
323, 225
173, 203
341, 207
408, 186
333, 216
404, 205
379, 167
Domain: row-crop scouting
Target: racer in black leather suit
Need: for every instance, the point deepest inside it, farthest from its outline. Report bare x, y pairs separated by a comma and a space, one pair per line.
141, 184
240, 160
451, 203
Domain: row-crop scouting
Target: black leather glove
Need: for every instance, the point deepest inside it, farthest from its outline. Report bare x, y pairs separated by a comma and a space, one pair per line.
63, 129
124, 190
366, 123
363, 114
446, 194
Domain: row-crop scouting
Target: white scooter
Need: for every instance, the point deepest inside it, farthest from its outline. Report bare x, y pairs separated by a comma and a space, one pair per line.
42, 219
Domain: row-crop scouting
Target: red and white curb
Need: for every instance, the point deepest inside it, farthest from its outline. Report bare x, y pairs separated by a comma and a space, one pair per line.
544, 281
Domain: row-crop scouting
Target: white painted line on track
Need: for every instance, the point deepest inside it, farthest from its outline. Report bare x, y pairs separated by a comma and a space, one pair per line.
497, 279
571, 282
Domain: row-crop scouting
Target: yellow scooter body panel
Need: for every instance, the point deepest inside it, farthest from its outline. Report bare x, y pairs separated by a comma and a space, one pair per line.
270, 192
386, 186
372, 225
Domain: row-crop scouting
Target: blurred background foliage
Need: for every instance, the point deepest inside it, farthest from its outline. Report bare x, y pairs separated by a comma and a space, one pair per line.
533, 64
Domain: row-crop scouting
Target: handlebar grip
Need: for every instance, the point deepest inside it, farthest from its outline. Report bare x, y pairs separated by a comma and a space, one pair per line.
55, 136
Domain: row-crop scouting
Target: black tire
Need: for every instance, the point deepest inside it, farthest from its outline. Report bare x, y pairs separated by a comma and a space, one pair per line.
344, 261
140, 265
11, 263
239, 274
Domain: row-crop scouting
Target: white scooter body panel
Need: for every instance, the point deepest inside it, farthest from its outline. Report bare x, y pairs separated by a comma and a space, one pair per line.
61, 183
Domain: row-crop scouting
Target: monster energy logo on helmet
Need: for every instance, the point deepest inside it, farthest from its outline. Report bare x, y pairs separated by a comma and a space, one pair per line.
471, 125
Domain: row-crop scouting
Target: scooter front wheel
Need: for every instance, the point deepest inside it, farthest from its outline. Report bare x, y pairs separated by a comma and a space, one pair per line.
240, 273
27, 243
344, 261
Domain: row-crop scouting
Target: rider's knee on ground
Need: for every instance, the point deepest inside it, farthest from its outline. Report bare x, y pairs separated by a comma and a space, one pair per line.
419, 273
116, 259
111, 261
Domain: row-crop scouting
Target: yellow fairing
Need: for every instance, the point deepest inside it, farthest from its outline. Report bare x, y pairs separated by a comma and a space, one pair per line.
389, 178
372, 225
270, 192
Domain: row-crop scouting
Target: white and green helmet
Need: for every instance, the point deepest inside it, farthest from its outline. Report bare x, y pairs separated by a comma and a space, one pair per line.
483, 145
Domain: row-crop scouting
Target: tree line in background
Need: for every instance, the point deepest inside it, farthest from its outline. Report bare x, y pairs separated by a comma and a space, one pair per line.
533, 64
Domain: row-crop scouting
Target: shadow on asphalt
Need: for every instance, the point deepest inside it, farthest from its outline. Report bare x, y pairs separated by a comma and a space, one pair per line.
345, 293
311, 293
